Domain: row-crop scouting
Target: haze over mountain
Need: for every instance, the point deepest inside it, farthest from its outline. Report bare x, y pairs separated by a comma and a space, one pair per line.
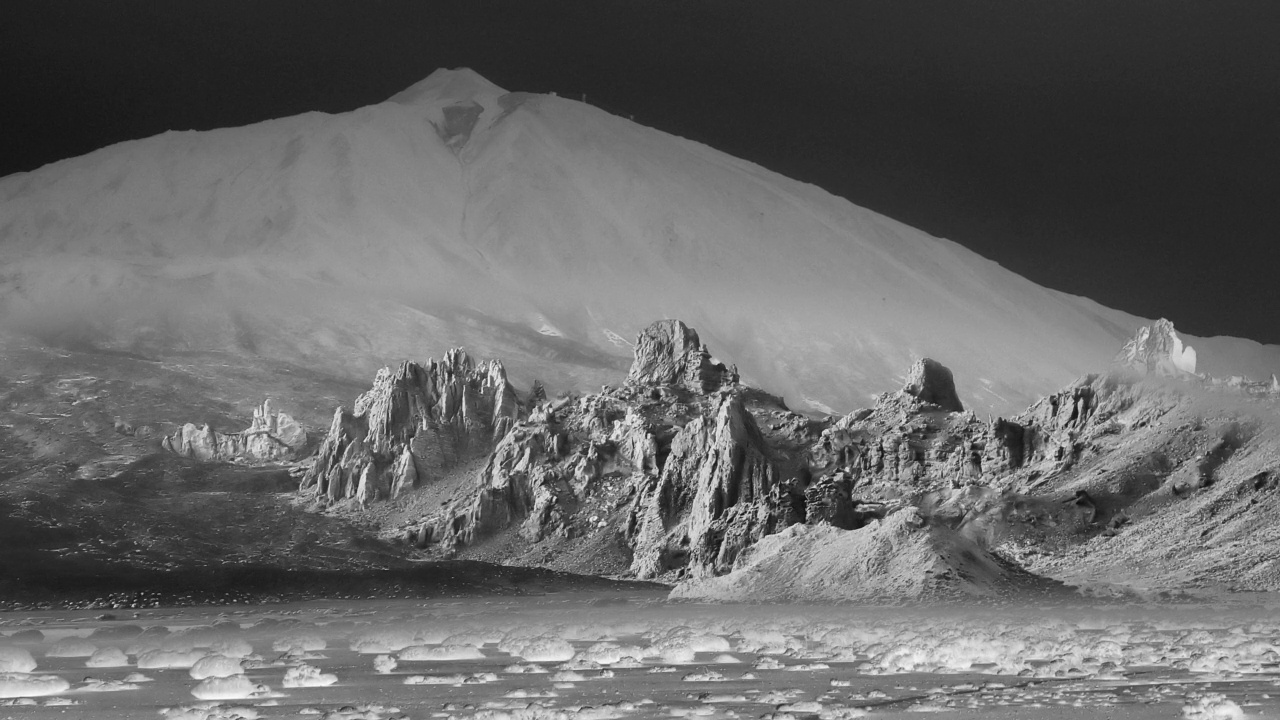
532, 228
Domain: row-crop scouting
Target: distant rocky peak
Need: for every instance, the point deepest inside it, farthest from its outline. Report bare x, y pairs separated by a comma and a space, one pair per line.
668, 352
932, 382
1156, 349
271, 437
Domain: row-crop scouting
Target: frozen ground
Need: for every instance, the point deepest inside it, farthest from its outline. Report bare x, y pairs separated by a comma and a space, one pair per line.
611, 656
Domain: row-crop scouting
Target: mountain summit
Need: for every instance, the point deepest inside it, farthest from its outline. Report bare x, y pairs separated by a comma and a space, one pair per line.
525, 226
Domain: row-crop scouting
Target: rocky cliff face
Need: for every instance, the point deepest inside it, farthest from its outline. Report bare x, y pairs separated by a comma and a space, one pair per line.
681, 471
684, 468
416, 422
717, 493
669, 353
271, 437
671, 467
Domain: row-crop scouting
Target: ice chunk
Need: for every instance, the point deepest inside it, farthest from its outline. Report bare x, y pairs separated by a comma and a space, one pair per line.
441, 652
17, 685
16, 660
215, 666
165, 659
475, 639
97, 685
767, 663
107, 657
308, 676
382, 640
538, 649
1212, 706
299, 643
384, 664
232, 647
236, 687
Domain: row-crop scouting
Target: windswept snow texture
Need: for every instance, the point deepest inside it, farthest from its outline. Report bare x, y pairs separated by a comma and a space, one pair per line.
528, 227
643, 657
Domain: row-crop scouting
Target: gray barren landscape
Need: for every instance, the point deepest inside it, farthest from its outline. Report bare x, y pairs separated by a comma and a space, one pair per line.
491, 405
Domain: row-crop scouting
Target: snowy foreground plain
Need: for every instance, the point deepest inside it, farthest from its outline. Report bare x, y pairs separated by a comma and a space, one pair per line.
601, 657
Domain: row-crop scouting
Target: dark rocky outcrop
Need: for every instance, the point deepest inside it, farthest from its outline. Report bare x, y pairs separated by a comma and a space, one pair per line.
271, 437
416, 422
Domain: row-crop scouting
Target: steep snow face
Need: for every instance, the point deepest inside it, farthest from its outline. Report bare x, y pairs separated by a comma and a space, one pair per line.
528, 227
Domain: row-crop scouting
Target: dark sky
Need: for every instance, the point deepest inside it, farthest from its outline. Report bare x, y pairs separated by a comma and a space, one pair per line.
1127, 150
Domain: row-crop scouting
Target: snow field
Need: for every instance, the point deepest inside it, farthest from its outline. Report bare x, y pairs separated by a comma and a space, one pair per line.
774, 662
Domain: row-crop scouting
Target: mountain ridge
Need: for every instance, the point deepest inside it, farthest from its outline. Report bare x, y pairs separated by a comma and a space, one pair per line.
535, 227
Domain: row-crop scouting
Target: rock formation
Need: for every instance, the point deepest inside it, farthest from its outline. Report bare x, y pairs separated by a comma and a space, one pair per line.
1157, 350
668, 352
672, 464
682, 472
415, 423
933, 383
271, 437
717, 494
686, 468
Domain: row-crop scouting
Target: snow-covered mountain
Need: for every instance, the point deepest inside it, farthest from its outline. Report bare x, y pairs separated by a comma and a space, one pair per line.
533, 228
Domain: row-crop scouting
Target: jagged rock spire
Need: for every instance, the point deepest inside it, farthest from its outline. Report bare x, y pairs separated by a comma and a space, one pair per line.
1157, 350
416, 422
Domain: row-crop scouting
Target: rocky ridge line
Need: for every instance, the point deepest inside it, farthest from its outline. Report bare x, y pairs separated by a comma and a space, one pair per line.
682, 470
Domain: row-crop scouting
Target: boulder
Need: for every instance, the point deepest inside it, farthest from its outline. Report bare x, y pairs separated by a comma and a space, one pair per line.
668, 352
931, 382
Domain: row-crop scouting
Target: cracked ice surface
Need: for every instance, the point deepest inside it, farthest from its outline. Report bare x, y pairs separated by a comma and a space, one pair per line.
566, 657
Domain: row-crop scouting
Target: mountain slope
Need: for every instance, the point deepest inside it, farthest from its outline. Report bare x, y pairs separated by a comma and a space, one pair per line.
528, 227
